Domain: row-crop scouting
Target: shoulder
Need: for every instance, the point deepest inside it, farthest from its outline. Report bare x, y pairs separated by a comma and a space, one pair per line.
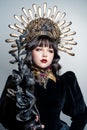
69, 75
72, 85
70, 80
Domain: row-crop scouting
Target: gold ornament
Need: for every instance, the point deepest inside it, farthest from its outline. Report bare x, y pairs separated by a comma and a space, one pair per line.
43, 21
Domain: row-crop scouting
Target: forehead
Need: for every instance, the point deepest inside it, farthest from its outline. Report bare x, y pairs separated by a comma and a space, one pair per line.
41, 41
45, 42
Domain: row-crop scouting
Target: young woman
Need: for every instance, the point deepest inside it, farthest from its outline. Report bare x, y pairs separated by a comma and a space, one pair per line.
36, 94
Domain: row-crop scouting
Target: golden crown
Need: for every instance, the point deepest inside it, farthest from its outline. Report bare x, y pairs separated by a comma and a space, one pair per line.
43, 21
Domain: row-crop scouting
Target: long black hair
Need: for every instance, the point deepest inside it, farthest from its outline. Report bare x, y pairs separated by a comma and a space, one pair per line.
43, 41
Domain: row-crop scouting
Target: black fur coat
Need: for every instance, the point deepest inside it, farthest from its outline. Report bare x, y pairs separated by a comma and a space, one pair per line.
64, 95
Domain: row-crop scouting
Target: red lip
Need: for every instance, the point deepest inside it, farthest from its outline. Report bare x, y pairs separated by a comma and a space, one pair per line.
43, 60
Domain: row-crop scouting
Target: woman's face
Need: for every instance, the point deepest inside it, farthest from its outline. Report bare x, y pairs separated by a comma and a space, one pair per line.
42, 56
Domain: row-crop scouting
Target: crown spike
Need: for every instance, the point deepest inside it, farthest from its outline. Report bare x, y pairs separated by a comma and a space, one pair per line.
17, 18
67, 24
68, 38
39, 11
49, 12
24, 25
20, 30
69, 52
25, 12
30, 13
71, 42
66, 51
54, 12
68, 34
9, 40
44, 9
23, 19
19, 27
54, 9
14, 45
35, 10
61, 23
65, 30
66, 47
14, 35
62, 15
71, 33
57, 16
12, 27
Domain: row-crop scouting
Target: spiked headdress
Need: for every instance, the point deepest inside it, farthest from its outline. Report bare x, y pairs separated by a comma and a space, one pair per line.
42, 21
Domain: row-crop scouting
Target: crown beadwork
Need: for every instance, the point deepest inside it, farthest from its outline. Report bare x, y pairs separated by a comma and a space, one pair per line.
43, 26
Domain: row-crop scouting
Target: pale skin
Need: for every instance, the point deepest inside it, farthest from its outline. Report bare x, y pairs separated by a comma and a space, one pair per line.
43, 56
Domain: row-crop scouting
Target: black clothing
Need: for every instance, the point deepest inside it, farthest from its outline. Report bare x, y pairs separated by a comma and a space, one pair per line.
64, 95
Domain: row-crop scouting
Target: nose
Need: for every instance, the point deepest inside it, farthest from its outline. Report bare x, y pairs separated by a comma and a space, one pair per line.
44, 53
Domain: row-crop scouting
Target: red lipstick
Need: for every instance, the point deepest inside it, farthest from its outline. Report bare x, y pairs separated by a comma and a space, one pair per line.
44, 61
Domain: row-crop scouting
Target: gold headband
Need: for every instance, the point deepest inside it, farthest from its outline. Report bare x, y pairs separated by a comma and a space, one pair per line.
44, 21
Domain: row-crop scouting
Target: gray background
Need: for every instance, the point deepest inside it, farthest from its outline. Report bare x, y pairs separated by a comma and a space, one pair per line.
76, 12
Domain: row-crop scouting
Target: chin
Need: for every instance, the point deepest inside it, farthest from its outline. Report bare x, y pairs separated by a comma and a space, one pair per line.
43, 67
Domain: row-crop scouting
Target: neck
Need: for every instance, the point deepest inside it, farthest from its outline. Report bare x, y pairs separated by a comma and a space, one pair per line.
41, 69
42, 75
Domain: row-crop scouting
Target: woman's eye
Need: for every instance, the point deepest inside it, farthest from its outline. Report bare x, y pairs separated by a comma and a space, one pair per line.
38, 49
51, 51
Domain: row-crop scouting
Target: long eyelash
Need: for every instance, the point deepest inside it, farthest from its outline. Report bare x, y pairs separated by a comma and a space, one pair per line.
51, 51
37, 49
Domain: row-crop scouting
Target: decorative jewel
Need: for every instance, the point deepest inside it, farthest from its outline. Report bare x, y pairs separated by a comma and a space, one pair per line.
42, 21
42, 76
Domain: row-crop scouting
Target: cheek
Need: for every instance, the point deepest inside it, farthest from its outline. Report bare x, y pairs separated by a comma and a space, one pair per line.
35, 58
34, 55
51, 57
